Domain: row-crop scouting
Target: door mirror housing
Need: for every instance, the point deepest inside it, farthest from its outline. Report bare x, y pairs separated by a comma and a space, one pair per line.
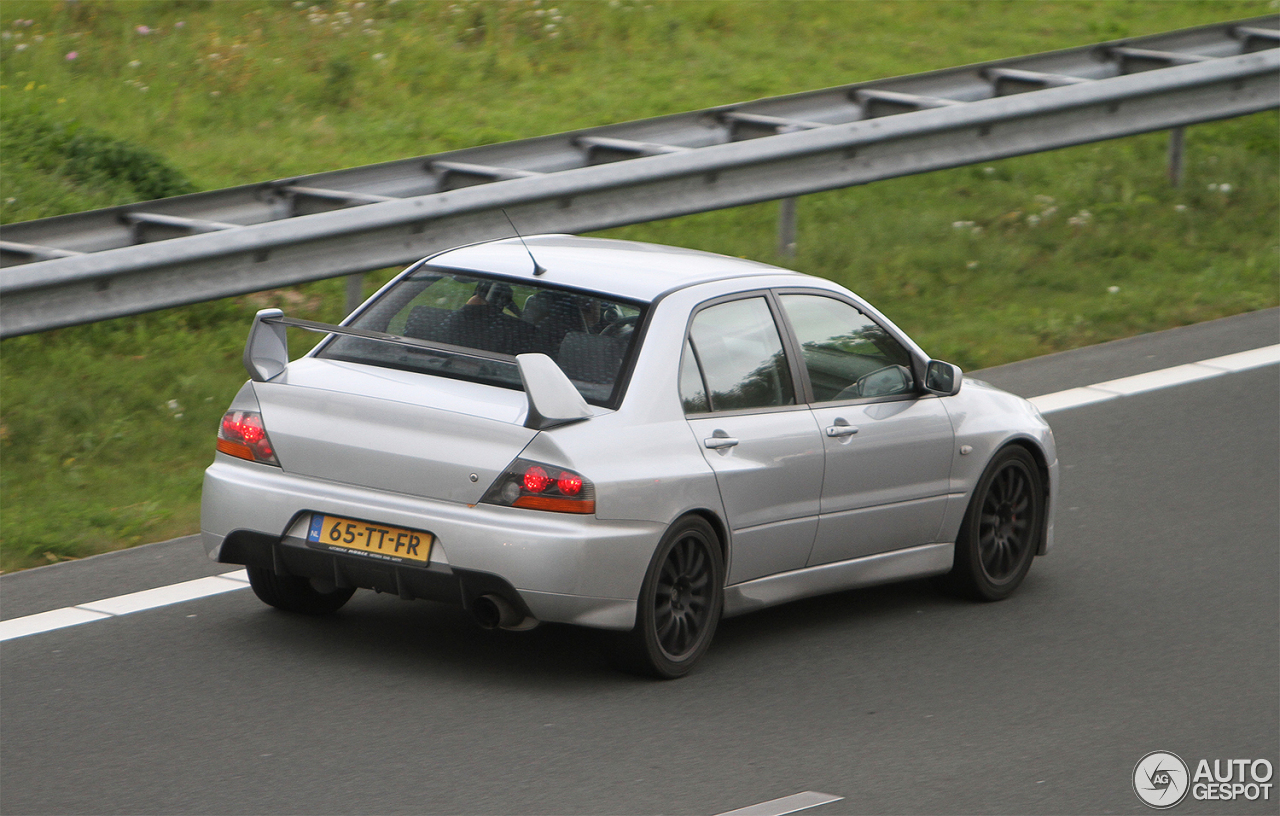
942, 378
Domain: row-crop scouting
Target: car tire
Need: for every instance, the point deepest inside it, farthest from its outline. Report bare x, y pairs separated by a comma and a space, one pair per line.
679, 605
1001, 529
293, 594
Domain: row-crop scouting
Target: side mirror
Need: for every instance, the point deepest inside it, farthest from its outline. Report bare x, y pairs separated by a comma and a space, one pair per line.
266, 353
942, 378
553, 400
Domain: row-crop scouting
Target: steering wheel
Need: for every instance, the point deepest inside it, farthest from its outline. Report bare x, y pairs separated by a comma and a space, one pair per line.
620, 327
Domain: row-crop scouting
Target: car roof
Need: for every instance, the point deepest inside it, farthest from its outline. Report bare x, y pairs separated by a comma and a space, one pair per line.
626, 269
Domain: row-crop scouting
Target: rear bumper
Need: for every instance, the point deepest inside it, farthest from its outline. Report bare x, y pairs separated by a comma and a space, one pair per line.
559, 567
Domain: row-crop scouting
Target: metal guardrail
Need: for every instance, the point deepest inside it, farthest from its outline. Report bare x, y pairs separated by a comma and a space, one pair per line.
123, 260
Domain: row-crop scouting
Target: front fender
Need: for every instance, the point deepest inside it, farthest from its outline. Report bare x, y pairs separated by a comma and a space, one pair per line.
986, 419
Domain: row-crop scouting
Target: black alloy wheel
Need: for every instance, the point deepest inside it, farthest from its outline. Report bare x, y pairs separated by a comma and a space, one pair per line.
1001, 529
680, 602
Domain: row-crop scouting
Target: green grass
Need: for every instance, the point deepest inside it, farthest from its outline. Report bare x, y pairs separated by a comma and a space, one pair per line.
104, 429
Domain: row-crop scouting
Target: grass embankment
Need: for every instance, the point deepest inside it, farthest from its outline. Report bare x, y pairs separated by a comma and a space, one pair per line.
105, 428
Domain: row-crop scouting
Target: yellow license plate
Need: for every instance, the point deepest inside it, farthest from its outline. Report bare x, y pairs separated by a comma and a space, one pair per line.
366, 538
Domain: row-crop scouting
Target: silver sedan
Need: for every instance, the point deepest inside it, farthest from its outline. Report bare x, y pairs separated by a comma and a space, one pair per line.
621, 436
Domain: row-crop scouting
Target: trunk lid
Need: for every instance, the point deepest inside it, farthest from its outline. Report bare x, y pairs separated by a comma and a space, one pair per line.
392, 430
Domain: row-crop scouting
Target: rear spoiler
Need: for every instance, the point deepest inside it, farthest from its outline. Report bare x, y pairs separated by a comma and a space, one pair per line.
553, 399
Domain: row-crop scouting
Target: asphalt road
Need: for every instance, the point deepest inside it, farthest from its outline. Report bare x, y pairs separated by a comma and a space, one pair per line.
1154, 625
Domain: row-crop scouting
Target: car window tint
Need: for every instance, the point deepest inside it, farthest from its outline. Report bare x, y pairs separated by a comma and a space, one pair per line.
693, 395
589, 336
741, 355
847, 355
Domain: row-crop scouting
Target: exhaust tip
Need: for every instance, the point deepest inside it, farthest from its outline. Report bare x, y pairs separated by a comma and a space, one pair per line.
494, 612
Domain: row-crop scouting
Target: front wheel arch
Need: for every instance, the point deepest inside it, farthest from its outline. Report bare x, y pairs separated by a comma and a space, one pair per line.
1002, 528
1042, 464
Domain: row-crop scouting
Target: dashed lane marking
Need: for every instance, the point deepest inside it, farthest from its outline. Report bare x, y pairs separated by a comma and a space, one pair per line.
1155, 380
787, 804
239, 579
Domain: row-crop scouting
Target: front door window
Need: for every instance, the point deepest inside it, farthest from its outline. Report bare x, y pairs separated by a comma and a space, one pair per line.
848, 355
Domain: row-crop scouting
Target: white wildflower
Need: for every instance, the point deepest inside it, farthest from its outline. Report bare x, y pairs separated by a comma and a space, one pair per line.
1113, 289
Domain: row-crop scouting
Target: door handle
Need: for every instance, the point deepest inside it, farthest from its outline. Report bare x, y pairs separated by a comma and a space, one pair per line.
718, 442
836, 431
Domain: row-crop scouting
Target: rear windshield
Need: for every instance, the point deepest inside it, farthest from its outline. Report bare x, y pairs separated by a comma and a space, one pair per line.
590, 336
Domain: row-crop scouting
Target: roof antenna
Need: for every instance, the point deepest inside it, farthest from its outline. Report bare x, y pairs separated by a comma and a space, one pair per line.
538, 269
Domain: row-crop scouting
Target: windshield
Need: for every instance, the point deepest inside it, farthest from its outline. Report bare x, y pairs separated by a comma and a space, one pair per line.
482, 323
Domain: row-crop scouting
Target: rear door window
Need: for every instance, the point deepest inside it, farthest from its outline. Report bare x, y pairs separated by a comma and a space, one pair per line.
740, 357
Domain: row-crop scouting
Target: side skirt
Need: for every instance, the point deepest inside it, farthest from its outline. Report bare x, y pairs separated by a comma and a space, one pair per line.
882, 568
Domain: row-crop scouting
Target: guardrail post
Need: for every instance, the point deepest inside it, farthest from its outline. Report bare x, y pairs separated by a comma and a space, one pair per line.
355, 292
787, 227
1175, 156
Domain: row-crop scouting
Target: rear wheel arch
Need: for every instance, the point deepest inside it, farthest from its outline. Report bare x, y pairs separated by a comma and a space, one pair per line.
717, 525
680, 602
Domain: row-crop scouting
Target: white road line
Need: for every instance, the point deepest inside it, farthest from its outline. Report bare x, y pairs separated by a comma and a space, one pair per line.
163, 596
47, 621
123, 605
239, 579
1155, 380
787, 804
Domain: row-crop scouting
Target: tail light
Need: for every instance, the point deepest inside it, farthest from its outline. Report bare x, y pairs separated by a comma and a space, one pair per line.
243, 435
538, 486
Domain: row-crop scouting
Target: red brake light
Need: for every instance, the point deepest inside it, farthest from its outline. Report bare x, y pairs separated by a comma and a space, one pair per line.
537, 486
570, 484
536, 480
243, 435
